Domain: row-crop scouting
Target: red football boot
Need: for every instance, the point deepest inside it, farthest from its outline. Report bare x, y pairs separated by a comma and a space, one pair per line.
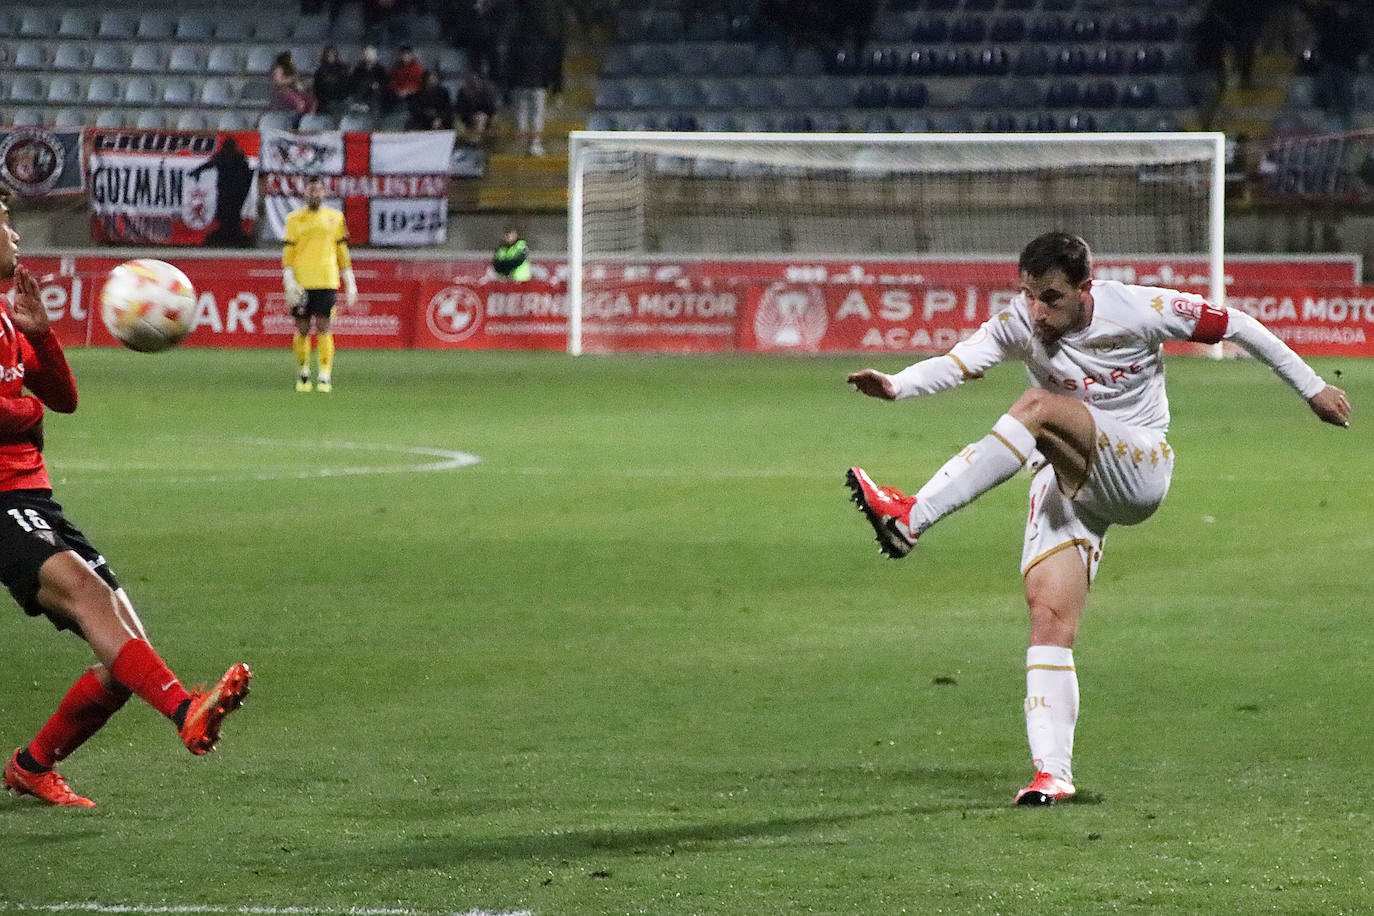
49, 787
887, 509
208, 709
1045, 789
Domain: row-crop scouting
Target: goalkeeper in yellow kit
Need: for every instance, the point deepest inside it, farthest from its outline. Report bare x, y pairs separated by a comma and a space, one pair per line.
314, 258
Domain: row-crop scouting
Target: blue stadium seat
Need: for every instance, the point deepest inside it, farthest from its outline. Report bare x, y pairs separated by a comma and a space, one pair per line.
140, 90
1161, 28
75, 24
716, 122
109, 58
316, 121
1047, 30
956, 124
27, 89
63, 90
29, 117
1080, 121
618, 61
224, 59
771, 61
735, 59
680, 121
185, 59
796, 122
36, 23
921, 62
596, 121
993, 61
684, 92
147, 58
1101, 94
968, 30
759, 94
194, 27
942, 4
843, 62
988, 94
647, 94
880, 62
955, 62
1071, 62
908, 94
878, 123
1141, 94
612, 94
1041, 122
103, 90
829, 122
178, 93
155, 25
930, 30
1084, 28
277, 120
1173, 94
1021, 5
798, 93
1032, 60
110, 118
273, 30
232, 28
980, 6
191, 120
363, 122
709, 26
1147, 61
218, 92
1125, 28
873, 94
890, 29
1120, 122
697, 59
836, 93
29, 55
69, 117
999, 124
915, 124
310, 28
116, 25
1023, 94
808, 62
255, 94
659, 60
71, 56
150, 119
1007, 29
1107, 61
1058, 6
260, 58
1063, 94
723, 94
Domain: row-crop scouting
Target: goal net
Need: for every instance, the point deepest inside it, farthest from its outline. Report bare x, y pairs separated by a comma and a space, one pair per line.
733, 211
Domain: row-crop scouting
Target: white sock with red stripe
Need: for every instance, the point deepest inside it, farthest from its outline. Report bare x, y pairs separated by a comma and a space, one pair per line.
1051, 708
992, 460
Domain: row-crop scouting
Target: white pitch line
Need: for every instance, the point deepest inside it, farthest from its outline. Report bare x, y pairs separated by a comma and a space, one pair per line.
448, 459
192, 909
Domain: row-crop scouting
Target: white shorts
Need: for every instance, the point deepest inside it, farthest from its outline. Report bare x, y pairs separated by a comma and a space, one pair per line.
1128, 478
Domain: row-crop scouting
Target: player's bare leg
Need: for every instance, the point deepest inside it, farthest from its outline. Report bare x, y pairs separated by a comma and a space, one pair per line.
1056, 594
1063, 430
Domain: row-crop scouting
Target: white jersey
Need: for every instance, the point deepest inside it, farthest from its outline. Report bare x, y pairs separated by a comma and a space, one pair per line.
1116, 363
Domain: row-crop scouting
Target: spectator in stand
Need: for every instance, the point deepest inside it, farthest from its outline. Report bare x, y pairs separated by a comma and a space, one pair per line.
475, 105
478, 27
406, 76
512, 258
1343, 37
430, 108
331, 82
289, 92
532, 63
367, 83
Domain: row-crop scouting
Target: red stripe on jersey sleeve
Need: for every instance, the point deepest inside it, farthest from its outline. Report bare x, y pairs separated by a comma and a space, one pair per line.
1211, 325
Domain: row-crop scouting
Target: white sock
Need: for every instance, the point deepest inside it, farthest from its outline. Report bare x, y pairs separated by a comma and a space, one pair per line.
1051, 708
992, 460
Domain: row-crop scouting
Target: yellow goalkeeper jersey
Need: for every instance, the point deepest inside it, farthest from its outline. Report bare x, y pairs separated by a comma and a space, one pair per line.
316, 247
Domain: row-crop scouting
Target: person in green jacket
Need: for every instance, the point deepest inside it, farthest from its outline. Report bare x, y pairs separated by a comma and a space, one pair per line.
512, 258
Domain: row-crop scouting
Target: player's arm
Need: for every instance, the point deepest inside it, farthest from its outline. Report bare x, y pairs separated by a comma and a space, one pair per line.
1198, 321
968, 359
46, 371
295, 293
350, 282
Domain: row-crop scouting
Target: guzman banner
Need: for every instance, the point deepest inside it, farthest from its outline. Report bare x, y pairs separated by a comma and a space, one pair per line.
391, 187
172, 187
42, 162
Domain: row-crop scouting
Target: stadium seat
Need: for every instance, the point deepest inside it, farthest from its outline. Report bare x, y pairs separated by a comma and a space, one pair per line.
110, 118
193, 27
680, 121
658, 60
878, 123
930, 30
618, 62
808, 62
277, 120
612, 94
1032, 60
36, 23
1106, 61
596, 121
873, 94
920, 62
1147, 61
75, 24
310, 28
103, 90
109, 58
915, 124
843, 62
1101, 94
716, 122
992, 61
999, 124
723, 94
1063, 94
1139, 95
217, 92
1071, 62
1120, 122
1173, 94
27, 89
829, 122
648, 94
255, 94
1023, 94
890, 29
1007, 29
713, 26
955, 62
1161, 28
451, 62
316, 121
69, 117
880, 62
178, 93
1041, 122
141, 91
223, 59
1080, 122
150, 119
1057, 6
185, 59
1018, 4
191, 120
1125, 28
147, 58
1302, 93
980, 6
235, 120
836, 93
797, 93
968, 30
956, 123
1084, 28
735, 60
685, 93
30, 55
771, 61
988, 94
272, 30
260, 58
71, 56
116, 25
233, 29
63, 90
155, 25
909, 94
29, 117
1047, 30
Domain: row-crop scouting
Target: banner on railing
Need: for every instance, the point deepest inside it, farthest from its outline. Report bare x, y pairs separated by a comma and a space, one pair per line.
160, 187
699, 306
392, 187
42, 161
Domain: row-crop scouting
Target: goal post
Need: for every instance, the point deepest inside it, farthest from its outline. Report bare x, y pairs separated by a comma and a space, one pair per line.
644, 198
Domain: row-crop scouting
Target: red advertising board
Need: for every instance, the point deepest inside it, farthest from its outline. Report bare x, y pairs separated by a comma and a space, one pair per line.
684, 306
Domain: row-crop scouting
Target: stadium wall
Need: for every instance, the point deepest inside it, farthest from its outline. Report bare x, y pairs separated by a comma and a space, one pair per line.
1316, 303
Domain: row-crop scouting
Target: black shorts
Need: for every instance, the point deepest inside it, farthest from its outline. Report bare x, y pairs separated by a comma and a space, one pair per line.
32, 529
319, 303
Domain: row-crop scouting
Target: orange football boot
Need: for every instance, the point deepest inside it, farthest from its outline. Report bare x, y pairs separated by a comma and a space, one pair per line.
887, 509
208, 709
49, 787
1045, 789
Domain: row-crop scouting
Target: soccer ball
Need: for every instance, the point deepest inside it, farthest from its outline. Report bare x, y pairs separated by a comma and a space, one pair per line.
148, 305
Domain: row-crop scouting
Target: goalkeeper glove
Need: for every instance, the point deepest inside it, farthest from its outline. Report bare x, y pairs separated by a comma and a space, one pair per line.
295, 293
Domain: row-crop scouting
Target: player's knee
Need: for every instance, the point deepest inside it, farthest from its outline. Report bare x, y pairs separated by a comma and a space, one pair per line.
1032, 407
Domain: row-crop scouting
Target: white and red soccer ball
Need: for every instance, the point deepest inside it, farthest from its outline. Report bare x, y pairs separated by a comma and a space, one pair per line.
148, 305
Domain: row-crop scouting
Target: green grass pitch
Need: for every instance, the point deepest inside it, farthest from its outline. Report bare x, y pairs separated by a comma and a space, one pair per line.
644, 657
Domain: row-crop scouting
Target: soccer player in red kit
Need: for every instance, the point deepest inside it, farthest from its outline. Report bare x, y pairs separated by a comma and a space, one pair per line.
52, 570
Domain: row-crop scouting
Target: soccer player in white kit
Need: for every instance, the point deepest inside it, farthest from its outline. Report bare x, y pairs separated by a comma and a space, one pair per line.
1093, 430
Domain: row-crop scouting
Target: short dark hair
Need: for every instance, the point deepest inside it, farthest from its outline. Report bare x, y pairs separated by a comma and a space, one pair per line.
1057, 250
314, 179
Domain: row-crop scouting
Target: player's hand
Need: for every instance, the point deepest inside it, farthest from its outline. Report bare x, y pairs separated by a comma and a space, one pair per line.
295, 295
873, 383
28, 313
1331, 405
